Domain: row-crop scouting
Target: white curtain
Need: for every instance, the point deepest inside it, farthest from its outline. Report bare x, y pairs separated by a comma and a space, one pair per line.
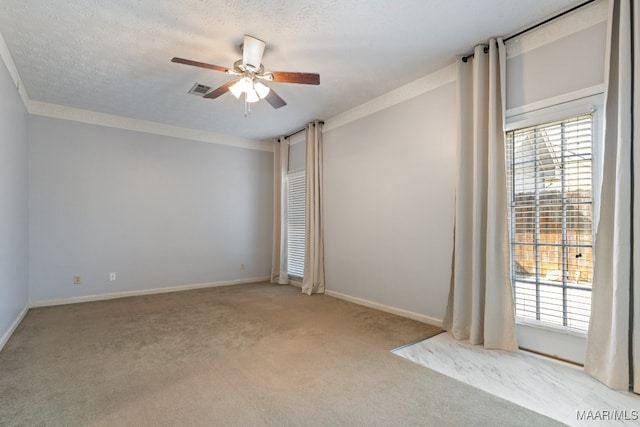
313, 279
279, 272
481, 299
613, 344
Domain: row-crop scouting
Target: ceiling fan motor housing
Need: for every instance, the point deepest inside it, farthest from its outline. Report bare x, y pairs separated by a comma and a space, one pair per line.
252, 51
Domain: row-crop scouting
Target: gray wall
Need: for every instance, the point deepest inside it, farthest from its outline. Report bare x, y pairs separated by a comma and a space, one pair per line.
390, 179
158, 211
567, 65
13, 204
389, 186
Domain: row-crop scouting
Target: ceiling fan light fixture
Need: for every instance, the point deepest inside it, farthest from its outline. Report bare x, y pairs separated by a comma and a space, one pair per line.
254, 91
241, 86
261, 89
252, 96
235, 89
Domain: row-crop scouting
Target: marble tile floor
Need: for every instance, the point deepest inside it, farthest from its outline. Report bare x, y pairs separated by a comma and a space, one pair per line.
556, 389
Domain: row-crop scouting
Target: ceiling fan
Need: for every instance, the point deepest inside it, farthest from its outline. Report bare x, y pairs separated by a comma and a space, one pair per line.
251, 75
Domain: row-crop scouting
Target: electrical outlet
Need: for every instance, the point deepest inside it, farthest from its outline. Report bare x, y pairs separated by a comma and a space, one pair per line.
76, 280
112, 277
241, 266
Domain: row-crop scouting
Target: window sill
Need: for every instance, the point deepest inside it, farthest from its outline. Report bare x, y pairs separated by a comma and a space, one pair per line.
551, 328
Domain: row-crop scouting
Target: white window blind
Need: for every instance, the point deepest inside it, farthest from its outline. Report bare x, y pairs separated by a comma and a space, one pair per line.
295, 223
550, 198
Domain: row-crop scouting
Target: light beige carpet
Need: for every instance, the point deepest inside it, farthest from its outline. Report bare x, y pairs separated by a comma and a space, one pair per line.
241, 355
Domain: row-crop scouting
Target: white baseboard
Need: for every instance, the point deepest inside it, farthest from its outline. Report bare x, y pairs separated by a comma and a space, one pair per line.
393, 310
102, 297
295, 283
13, 327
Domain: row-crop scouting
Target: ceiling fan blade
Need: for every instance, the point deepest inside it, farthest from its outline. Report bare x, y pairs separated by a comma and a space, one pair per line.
199, 64
252, 51
220, 91
301, 78
274, 99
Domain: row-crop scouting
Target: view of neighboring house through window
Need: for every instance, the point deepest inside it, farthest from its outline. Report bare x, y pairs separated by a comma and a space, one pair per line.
550, 198
295, 223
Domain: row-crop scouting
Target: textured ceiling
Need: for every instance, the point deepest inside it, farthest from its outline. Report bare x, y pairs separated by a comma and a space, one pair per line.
114, 56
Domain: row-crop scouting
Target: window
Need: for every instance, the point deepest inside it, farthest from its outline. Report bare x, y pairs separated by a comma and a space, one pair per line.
550, 197
295, 224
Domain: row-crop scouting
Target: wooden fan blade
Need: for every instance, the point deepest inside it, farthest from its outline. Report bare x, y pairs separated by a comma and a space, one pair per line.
274, 99
220, 91
301, 78
199, 64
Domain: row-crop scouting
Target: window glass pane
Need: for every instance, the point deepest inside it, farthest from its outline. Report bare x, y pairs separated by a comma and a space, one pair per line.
550, 197
295, 223
525, 300
580, 265
524, 258
579, 308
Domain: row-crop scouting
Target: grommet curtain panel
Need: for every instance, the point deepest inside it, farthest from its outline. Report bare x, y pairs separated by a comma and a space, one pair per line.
613, 341
480, 305
313, 280
279, 272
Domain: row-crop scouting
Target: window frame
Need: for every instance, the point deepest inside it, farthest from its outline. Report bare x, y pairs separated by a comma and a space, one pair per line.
545, 338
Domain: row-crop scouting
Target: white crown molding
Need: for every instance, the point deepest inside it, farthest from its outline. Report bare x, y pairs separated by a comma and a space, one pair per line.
114, 295
13, 72
387, 309
581, 19
121, 122
404, 93
111, 120
574, 22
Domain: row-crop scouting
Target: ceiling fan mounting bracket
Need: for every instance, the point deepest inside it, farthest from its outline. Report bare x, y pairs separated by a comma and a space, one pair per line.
241, 69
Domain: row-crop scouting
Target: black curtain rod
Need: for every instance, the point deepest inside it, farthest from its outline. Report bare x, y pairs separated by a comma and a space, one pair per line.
300, 130
293, 133
533, 27
466, 58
